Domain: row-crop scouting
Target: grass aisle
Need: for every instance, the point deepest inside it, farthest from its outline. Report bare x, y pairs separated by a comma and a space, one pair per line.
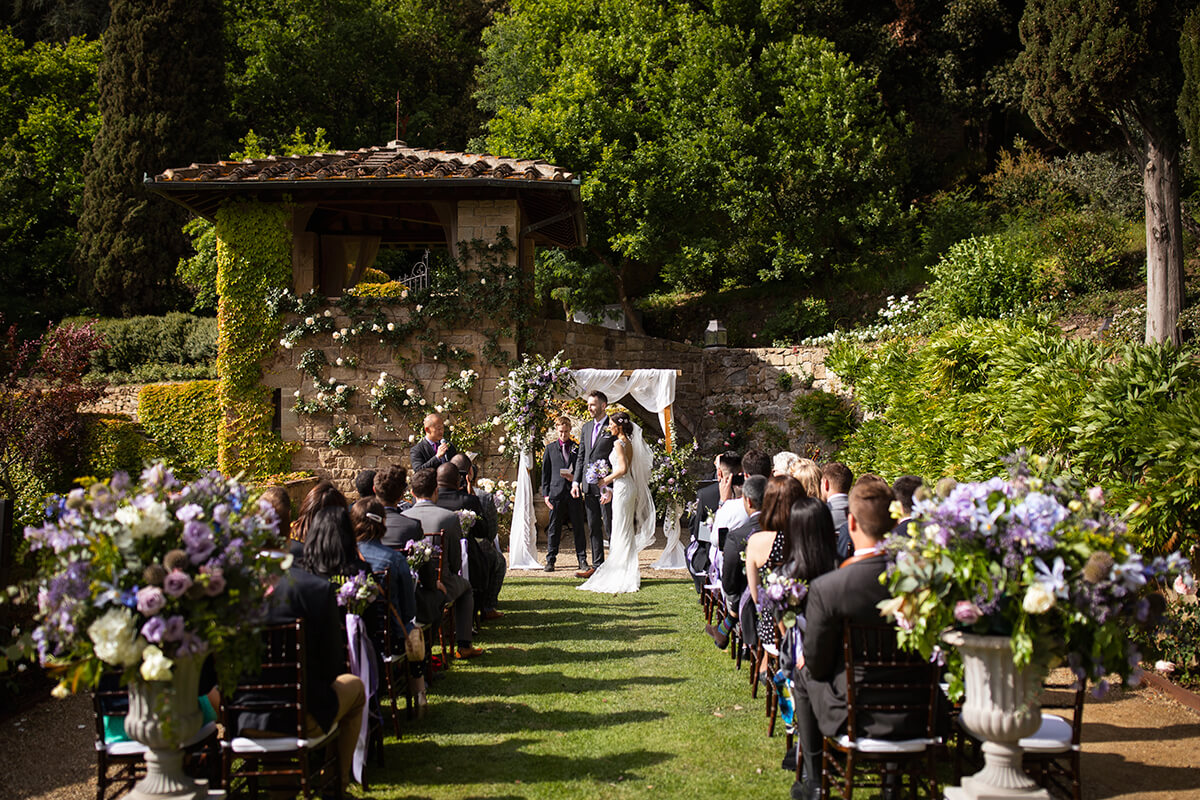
584, 695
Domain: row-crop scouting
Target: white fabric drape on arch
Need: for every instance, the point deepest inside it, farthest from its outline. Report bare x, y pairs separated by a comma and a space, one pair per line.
654, 389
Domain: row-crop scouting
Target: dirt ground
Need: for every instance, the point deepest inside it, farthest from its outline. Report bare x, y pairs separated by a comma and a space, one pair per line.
1137, 743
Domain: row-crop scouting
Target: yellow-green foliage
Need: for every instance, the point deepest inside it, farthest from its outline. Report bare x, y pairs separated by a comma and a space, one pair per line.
372, 275
113, 442
389, 289
253, 257
183, 420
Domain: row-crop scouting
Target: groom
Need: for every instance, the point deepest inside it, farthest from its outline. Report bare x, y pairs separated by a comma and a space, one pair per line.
595, 444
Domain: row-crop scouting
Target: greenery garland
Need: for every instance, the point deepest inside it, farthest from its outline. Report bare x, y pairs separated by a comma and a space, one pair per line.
253, 258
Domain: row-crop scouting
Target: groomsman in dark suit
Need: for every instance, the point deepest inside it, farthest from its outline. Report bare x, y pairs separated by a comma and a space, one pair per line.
558, 462
433, 450
595, 444
850, 592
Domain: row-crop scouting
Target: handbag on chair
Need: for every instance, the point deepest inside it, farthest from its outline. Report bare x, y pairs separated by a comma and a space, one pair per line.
414, 644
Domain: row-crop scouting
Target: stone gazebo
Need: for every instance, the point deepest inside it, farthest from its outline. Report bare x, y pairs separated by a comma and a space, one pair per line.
338, 210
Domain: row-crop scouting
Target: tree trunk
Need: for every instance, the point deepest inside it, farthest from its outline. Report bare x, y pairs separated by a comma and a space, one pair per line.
1164, 241
627, 304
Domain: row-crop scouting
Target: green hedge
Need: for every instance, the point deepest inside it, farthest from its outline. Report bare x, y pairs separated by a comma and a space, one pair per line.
113, 442
182, 419
175, 338
1124, 417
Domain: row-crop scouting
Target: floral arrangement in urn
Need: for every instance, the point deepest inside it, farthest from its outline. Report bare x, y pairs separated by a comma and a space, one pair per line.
1037, 558
136, 577
526, 395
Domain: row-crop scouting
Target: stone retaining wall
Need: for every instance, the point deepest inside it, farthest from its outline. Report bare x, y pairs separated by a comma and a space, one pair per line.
116, 400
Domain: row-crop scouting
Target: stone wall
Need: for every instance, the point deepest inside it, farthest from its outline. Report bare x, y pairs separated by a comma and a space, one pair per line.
709, 377
116, 400
404, 365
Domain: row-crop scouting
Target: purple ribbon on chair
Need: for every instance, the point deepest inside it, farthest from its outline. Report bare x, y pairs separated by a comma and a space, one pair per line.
362, 664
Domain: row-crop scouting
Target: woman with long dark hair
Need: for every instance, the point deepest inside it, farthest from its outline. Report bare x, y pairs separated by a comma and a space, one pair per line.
323, 495
329, 547
770, 548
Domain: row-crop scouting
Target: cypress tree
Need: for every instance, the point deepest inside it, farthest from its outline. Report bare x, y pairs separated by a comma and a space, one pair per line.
161, 102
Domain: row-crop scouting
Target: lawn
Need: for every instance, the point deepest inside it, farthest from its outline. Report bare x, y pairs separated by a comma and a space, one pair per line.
583, 695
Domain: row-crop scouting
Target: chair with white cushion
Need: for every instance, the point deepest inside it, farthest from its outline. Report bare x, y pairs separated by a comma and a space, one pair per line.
882, 679
251, 764
1052, 752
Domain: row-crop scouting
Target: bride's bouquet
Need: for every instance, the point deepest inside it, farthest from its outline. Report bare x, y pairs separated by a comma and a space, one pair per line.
597, 471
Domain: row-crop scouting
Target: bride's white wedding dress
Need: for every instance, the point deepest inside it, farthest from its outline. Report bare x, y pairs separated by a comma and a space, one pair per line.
633, 524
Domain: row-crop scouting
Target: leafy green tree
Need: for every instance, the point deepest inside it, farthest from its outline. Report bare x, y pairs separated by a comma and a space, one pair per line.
46, 127
161, 101
706, 159
55, 20
343, 65
1105, 73
1189, 55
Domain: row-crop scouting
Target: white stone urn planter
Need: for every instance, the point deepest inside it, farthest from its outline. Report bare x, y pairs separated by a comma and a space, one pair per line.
163, 715
1001, 707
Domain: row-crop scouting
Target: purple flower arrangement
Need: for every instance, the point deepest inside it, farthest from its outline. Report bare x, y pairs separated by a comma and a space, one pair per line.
466, 519
1035, 558
672, 476
597, 471
782, 599
357, 593
419, 552
134, 577
525, 401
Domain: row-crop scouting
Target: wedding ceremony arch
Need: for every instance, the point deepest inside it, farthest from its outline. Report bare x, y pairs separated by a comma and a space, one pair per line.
654, 390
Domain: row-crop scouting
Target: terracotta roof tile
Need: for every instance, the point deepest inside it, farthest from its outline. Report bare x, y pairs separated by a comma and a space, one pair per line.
396, 160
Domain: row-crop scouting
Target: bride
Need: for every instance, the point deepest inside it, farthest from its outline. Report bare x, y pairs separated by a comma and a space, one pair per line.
633, 518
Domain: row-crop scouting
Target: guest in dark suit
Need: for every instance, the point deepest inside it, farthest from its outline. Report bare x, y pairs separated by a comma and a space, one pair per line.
708, 500
390, 485
595, 444
332, 693
562, 455
733, 569
433, 450
438, 520
836, 479
850, 592
485, 564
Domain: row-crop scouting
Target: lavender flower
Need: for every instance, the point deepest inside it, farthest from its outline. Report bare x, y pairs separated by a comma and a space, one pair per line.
176, 583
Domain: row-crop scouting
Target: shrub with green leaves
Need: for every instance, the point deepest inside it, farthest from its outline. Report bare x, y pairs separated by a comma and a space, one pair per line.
182, 419
1126, 417
985, 276
138, 343
1087, 250
113, 442
828, 415
797, 320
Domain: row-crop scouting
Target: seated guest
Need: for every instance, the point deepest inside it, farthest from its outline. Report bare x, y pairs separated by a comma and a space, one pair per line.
329, 547
766, 550
730, 513
364, 483
808, 473
438, 520
756, 462
486, 499
486, 566
903, 490
708, 497
782, 463
836, 479
280, 502
367, 516
332, 693
323, 495
810, 549
850, 592
399, 530
733, 572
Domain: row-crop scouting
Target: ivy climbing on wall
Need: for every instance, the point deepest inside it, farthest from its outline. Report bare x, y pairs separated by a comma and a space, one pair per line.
254, 245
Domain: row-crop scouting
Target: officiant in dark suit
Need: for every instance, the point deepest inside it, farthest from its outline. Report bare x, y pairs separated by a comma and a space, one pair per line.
433, 450
595, 444
558, 462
